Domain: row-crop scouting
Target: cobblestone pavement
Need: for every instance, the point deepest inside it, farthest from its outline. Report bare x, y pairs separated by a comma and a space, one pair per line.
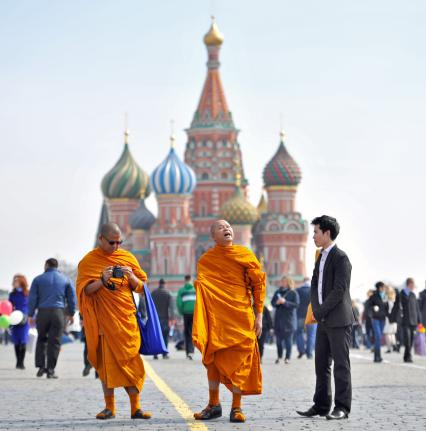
387, 396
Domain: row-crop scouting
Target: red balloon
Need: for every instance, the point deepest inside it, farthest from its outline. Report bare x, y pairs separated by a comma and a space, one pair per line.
6, 307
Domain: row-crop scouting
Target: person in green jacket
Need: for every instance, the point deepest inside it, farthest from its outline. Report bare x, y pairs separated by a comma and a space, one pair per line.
185, 302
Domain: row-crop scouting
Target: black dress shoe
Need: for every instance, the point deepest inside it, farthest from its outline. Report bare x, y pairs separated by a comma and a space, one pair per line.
337, 414
300, 355
41, 371
311, 412
86, 370
51, 374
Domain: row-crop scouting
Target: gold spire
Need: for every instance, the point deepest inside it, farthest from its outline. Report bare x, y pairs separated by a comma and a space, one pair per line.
172, 141
213, 37
282, 135
126, 129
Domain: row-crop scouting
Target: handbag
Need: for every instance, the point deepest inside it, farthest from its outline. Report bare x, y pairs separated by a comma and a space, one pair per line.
152, 342
310, 319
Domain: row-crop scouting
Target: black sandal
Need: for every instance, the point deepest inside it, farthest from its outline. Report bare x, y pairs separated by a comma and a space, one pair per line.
139, 414
210, 412
237, 415
105, 414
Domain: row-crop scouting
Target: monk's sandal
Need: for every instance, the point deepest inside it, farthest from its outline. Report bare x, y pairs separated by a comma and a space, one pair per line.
139, 414
210, 412
105, 414
237, 415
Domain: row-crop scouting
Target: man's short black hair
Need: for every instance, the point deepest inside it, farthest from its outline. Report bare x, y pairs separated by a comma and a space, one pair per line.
326, 223
379, 284
52, 263
187, 277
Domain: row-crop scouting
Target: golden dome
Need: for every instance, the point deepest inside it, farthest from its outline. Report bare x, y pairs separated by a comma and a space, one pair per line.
213, 37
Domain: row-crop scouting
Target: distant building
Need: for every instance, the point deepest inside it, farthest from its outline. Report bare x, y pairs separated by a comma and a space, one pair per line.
209, 184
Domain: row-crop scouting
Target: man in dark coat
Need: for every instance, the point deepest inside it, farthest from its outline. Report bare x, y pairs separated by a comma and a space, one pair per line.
305, 334
332, 308
285, 301
410, 316
422, 305
163, 302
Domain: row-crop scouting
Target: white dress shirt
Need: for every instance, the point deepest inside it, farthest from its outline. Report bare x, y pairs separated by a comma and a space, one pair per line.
324, 254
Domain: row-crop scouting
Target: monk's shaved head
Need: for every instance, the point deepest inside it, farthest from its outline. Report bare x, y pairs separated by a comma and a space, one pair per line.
221, 231
110, 229
215, 225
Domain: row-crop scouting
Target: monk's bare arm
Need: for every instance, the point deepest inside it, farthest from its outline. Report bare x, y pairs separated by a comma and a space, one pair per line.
94, 286
134, 281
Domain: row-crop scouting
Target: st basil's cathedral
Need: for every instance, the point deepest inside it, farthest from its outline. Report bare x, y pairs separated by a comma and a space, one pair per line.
209, 183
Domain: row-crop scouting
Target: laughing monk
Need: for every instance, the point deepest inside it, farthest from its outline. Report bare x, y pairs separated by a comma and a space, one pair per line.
229, 285
110, 325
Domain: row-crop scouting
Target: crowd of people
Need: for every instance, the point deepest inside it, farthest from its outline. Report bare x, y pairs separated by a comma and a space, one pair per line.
220, 323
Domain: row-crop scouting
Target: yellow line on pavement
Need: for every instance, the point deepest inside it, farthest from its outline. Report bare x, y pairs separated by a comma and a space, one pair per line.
177, 402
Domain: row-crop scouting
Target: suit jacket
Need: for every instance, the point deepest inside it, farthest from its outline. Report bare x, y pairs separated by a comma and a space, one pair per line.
410, 309
336, 308
422, 305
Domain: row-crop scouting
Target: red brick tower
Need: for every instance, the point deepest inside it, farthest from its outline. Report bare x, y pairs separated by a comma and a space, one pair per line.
212, 149
281, 234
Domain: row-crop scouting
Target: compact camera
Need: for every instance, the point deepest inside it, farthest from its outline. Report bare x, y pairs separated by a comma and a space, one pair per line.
117, 272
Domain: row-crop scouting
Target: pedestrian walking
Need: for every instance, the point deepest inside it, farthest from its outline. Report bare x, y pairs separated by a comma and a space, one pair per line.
356, 327
390, 328
285, 301
163, 301
185, 301
50, 293
230, 283
305, 334
332, 308
107, 277
378, 308
19, 333
267, 330
422, 306
410, 316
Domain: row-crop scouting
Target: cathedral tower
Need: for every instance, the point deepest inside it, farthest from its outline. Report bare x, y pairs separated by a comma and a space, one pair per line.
212, 148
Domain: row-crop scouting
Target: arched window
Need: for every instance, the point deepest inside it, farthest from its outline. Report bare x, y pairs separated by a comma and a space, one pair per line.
224, 176
204, 176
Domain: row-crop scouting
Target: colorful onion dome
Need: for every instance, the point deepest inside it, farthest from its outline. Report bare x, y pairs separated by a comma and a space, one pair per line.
282, 170
126, 179
213, 37
237, 210
142, 218
173, 176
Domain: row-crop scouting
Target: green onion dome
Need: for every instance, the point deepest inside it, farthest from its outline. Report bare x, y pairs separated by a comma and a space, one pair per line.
237, 210
126, 179
282, 170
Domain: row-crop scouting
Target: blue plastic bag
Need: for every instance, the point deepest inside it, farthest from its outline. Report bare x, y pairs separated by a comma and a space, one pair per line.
150, 329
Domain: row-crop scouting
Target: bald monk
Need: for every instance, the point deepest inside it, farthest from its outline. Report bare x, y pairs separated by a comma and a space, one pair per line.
112, 333
230, 289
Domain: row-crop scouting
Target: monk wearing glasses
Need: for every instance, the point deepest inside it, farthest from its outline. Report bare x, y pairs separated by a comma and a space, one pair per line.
230, 291
106, 278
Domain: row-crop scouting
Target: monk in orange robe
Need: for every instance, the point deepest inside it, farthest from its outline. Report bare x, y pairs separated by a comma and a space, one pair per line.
110, 325
230, 289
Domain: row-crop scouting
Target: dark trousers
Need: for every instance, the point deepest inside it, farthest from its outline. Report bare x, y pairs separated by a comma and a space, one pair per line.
284, 338
20, 350
261, 342
408, 337
332, 344
50, 327
187, 328
165, 329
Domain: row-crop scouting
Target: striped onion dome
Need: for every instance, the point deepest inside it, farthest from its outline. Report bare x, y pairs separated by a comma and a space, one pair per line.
142, 218
239, 211
126, 179
282, 170
173, 176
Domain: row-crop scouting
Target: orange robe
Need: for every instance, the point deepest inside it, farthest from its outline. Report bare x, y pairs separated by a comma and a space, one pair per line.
229, 285
112, 333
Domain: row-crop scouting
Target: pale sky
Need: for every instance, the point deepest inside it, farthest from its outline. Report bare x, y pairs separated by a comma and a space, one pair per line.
347, 78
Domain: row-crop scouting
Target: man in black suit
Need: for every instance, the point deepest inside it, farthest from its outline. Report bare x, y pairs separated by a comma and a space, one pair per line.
410, 316
332, 308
